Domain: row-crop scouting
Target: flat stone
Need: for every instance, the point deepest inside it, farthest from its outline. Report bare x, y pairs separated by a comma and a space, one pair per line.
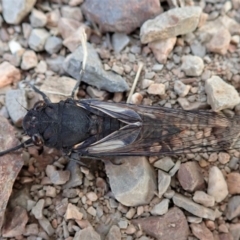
37, 39
16, 103
86, 234
94, 74
233, 183
220, 95
173, 225
160, 208
8, 74
120, 41
37, 19
53, 44
194, 208
57, 177
37, 210
156, 89
50, 191
174, 22
162, 48
53, 18
164, 181
46, 225
204, 199
58, 88
190, 176
14, 11
17, 220
29, 60
233, 207
192, 65
114, 233
116, 16
201, 231
133, 182
73, 212
217, 186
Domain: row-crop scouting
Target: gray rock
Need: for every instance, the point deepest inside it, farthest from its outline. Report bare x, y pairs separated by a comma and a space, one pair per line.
221, 95
194, 208
37, 19
198, 49
217, 185
76, 176
56, 64
57, 177
53, 44
165, 164
233, 207
204, 199
181, 89
114, 233
161, 208
164, 181
37, 39
15, 10
192, 65
94, 73
174, 22
16, 103
29, 60
120, 41
86, 234
37, 210
133, 182
46, 225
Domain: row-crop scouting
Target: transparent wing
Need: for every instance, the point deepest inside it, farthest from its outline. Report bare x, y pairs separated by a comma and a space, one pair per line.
167, 131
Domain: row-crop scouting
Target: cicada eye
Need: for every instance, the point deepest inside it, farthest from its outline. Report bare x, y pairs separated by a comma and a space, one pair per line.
39, 104
37, 140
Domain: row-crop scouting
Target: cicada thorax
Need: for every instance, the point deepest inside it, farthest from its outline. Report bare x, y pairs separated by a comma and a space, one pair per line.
63, 125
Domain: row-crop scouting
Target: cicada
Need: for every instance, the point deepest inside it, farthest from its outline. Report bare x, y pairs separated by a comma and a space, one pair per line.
96, 128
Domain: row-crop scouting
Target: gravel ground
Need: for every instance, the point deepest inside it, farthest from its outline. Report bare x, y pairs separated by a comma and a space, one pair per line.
190, 56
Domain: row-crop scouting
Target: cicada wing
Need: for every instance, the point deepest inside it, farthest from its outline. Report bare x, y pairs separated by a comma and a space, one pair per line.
166, 131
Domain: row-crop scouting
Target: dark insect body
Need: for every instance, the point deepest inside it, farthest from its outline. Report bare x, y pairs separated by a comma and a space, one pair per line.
95, 128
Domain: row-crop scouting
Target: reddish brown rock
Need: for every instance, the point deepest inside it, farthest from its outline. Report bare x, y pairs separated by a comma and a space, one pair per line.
233, 183
225, 236
201, 231
173, 225
67, 27
162, 48
15, 223
190, 177
220, 42
117, 16
10, 164
8, 74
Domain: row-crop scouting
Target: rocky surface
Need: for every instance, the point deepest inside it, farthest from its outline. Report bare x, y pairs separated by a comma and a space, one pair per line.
191, 57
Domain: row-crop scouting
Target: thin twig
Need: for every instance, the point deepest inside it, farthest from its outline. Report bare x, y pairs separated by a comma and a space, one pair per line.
140, 66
